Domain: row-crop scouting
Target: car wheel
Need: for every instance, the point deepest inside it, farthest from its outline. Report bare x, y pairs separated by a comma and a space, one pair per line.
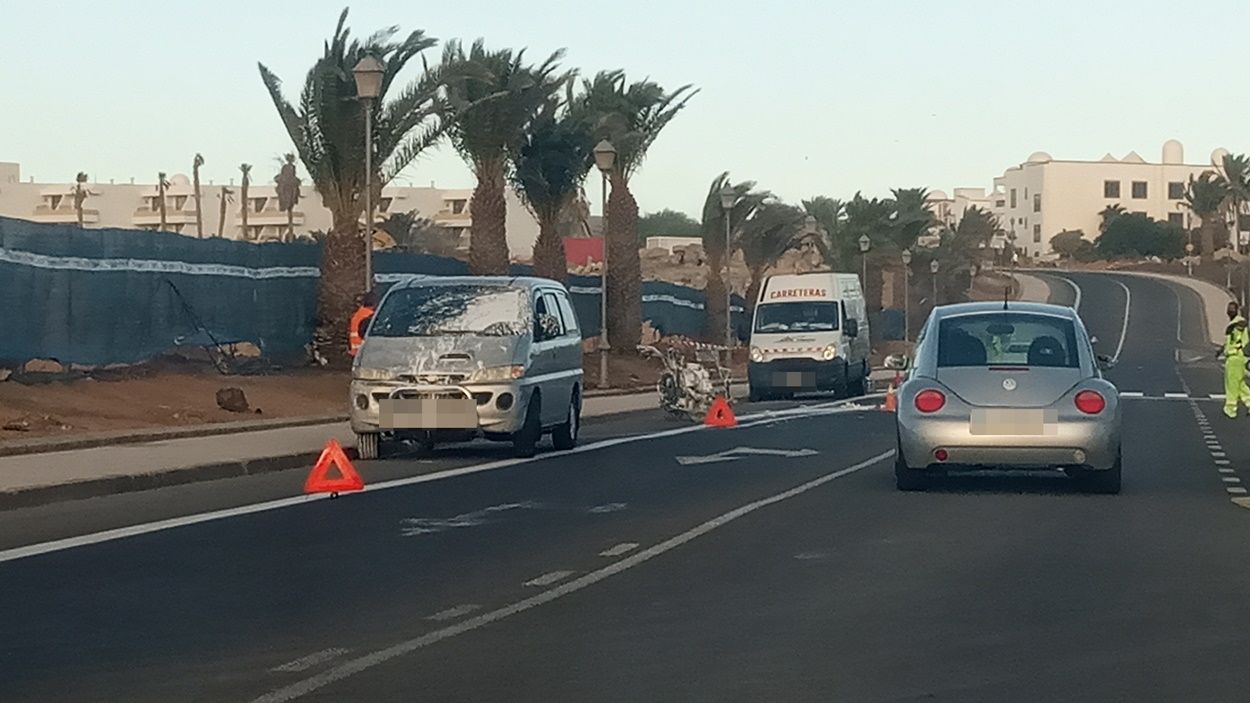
1104, 482
756, 396
860, 386
367, 445
564, 437
525, 440
905, 477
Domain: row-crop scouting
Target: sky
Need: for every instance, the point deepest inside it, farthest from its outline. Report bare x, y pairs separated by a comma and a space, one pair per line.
820, 97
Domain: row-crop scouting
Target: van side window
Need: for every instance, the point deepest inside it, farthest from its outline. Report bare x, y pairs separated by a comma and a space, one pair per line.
546, 304
567, 315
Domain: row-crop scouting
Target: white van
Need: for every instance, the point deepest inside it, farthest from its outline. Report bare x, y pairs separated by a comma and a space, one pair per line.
809, 333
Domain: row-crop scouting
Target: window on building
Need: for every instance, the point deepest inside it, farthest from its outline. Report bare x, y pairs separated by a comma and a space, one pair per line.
1037, 202
180, 201
1176, 218
1013, 198
1110, 189
258, 204
456, 206
54, 201
1139, 190
1176, 191
1037, 234
1000, 203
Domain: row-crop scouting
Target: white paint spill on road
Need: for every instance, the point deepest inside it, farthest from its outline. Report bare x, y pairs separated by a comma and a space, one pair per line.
739, 452
1243, 502
414, 526
308, 662
618, 550
548, 578
607, 508
453, 613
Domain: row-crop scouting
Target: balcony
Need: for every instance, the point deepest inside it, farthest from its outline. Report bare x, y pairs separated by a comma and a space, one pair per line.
269, 217
148, 216
61, 215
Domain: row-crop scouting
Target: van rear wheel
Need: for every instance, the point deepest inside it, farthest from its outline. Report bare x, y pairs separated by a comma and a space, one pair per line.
859, 386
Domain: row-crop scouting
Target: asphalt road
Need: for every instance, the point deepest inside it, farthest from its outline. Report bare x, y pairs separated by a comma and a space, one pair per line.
643, 567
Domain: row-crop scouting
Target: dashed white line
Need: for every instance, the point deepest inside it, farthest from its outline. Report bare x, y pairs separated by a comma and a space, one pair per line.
1222, 462
308, 662
453, 613
1236, 490
619, 549
1218, 455
1131, 394
1176, 395
1226, 470
1230, 479
1217, 396
548, 578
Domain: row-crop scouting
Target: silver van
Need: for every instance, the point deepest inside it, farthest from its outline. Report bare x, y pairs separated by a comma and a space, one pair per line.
449, 359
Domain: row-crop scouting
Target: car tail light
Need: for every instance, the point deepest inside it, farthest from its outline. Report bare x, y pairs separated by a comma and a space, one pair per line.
1090, 402
941, 454
930, 401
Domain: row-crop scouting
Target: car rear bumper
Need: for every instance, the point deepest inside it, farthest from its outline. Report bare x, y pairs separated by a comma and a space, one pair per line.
1088, 444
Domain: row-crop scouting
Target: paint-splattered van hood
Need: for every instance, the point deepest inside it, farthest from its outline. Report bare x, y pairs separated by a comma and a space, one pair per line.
452, 354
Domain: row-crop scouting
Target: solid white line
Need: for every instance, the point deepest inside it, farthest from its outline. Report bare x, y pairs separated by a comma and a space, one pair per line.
1217, 396
548, 578
1076, 291
368, 661
619, 549
308, 662
1128, 300
453, 613
1235, 490
744, 421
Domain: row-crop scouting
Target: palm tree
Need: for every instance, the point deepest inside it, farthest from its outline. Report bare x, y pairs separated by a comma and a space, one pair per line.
196, 163
226, 196
631, 116
327, 130
490, 100
1205, 197
767, 235
873, 218
80, 194
1108, 214
246, 170
288, 183
549, 167
746, 202
912, 217
161, 184
1236, 174
829, 214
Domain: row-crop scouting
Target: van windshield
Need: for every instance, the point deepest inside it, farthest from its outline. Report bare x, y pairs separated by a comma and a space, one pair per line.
431, 311
813, 316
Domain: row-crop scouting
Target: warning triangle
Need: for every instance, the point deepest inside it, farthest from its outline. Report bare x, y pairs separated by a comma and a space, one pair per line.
318, 480
720, 414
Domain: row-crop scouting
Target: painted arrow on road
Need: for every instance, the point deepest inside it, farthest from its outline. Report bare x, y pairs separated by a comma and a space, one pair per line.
740, 452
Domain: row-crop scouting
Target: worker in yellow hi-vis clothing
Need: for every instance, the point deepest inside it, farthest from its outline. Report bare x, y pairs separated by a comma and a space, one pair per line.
1236, 340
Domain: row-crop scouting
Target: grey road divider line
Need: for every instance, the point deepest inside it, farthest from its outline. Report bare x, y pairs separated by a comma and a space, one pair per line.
745, 421
381, 656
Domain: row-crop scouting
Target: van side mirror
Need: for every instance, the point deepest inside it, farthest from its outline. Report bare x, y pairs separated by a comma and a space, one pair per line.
852, 327
897, 362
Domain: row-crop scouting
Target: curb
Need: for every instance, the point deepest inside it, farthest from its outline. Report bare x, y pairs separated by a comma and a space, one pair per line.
42, 445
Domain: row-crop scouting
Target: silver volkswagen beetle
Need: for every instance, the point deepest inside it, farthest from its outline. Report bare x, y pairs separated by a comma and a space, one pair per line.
1007, 386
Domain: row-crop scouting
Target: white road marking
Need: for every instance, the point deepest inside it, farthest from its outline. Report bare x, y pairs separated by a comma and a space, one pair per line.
1222, 462
1218, 455
1076, 291
368, 661
1131, 394
308, 662
750, 420
1235, 490
1230, 479
1217, 396
1243, 502
1226, 470
1175, 395
1128, 300
453, 613
619, 549
548, 578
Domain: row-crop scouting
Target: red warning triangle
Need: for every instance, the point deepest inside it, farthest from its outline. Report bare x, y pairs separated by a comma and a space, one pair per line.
720, 414
318, 480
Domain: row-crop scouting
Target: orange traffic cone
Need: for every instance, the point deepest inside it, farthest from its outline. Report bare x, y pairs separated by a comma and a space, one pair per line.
891, 402
720, 414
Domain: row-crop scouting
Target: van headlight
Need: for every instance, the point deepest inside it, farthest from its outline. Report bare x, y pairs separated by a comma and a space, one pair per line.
757, 354
829, 353
367, 374
497, 373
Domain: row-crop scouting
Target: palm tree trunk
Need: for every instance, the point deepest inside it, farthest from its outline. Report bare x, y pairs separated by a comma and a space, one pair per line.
753, 290
488, 243
549, 261
290, 225
199, 211
221, 219
1206, 234
78, 202
714, 299
624, 267
342, 273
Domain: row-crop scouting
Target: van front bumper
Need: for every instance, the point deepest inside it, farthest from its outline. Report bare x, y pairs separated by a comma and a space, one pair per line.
797, 374
500, 407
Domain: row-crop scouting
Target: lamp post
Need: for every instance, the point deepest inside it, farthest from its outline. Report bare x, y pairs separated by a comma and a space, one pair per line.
1189, 259
906, 295
728, 198
605, 161
368, 74
933, 268
864, 245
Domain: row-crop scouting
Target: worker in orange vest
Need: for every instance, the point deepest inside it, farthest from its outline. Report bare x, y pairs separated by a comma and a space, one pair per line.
367, 302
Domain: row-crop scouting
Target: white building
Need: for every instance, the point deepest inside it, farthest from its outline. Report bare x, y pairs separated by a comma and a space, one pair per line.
1044, 196
137, 206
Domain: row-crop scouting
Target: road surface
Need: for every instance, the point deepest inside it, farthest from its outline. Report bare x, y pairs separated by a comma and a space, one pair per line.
774, 561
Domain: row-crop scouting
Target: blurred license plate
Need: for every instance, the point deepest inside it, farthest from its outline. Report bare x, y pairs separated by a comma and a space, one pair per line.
794, 379
427, 413
1014, 421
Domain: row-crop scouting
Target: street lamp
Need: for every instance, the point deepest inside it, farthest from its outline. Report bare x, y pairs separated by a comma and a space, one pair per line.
906, 294
933, 268
864, 245
605, 161
1189, 259
728, 198
368, 74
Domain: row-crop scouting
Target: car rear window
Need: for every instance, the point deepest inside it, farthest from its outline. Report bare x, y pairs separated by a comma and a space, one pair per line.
1007, 339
